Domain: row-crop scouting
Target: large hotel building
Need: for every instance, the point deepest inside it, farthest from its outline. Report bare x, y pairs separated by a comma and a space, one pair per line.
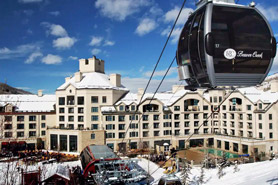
94, 108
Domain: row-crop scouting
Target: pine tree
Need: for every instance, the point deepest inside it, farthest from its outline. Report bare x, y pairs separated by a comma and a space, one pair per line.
236, 169
202, 175
185, 171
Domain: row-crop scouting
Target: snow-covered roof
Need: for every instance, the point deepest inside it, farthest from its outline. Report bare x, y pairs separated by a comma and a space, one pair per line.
108, 109
92, 80
255, 95
29, 102
128, 99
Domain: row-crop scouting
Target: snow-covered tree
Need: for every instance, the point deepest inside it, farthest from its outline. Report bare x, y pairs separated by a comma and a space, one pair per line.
202, 175
185, 172
236, 169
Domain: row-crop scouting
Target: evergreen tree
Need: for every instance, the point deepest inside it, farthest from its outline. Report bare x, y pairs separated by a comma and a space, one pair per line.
185, 171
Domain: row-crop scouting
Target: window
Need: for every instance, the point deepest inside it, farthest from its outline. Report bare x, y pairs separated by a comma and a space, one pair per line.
186, 124
80, 126
145, 117
104, 99
155, 117
63, 142
156, 133
270, 135
32, 118
110, 135
196, 116
121, 135
248, 107
110, 118
32, 126
80, 118
270, 126
42, 125
94, 109
71, 118
145, 134
133, 117
167, 124
20, 126
215, 99
61, 100
196, 123
43, 117
224, 107
145, 125
121, 126
80, 100
167, 116
270, 116
8, 134
260, 117
73, 143
8, 126
260, 135
53, 141
205, 130
260, 106
176, 116
133, 134
196, 131
32, 133
61, 118
86, 61
205, 107
20, 134
133, 125
121, 118
205, 116
61, 110
94, 127
61, 126
94, 118
20, 118
186, 116
110, 127
80, 110
220, 98
71, 110
156, 125
176, 108
177, 124
121, 108
177, 132
94, 99
260, 126
133, 107
167, 132
43, 133
71, 126
93, 136
70, 100
205, 123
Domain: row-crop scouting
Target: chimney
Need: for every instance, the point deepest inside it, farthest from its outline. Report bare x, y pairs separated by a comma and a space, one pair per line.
176, 88
115, 79
40, 93
67, 79
78, 76
274, 86
140, 93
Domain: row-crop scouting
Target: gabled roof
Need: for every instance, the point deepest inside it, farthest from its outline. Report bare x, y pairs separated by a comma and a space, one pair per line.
253, 94
29, 102
92, 80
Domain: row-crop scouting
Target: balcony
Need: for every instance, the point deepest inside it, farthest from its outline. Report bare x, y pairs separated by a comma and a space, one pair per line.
235, 108
192, 108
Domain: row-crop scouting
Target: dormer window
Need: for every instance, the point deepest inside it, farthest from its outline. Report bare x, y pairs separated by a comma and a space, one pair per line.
86, 62
121, 108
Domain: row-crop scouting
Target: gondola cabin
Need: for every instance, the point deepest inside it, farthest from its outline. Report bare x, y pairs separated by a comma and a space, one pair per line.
225, 44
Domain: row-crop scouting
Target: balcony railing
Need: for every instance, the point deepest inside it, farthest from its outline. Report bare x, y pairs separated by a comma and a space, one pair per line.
192, 108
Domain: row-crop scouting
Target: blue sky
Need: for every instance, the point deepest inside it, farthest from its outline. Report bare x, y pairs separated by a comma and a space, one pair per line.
42, 40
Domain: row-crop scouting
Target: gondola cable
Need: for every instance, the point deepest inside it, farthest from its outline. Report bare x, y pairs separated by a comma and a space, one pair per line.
168, 38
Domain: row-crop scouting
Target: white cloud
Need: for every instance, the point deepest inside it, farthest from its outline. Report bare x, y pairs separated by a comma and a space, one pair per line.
109, 43
134, 83
120, 9
30, 1
96, 51
55, 13
269, 12
33, 57
171, 15
73, 58
51, 59
28, 12
96, 41
55, 29
19, 51
145, 26
64, 42
161, 72
175, 34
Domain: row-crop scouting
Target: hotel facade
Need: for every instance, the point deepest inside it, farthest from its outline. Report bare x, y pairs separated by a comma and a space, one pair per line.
94, 108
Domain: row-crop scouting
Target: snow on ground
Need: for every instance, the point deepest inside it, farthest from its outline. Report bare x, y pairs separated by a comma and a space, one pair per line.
259, 173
